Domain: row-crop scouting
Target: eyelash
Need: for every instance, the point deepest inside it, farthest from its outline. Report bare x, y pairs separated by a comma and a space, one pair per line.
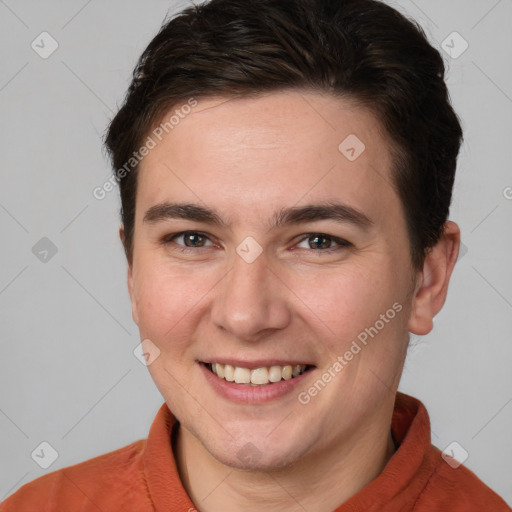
342, 244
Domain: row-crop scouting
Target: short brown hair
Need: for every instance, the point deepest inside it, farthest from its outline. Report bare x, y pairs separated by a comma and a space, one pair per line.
360, 49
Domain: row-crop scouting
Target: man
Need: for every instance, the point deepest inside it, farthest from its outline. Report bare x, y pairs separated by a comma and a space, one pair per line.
284, 218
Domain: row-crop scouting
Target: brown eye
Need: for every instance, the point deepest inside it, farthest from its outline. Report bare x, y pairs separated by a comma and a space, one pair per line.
319, 242
323, 243
188, 239
193, 239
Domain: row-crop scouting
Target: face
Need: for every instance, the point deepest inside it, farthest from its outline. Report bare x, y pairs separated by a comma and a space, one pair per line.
263, 248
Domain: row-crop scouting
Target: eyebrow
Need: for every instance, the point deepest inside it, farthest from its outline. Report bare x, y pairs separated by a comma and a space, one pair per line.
338, 212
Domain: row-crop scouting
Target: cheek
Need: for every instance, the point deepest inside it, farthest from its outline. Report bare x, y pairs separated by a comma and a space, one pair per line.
347, 301
166, 302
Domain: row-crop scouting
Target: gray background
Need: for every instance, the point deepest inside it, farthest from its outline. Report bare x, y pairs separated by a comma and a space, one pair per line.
68, 375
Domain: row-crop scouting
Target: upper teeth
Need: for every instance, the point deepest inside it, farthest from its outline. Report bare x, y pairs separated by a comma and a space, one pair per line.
259, 376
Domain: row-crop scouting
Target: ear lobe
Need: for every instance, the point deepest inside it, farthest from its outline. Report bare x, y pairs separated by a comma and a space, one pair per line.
430, 295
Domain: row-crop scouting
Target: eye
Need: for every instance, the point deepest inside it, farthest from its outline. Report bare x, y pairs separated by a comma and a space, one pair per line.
323, 243
188, 239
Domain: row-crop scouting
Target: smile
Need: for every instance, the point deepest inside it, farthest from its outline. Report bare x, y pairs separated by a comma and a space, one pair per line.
261, 376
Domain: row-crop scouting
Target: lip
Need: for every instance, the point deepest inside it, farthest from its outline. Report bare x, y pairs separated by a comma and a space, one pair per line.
246, 394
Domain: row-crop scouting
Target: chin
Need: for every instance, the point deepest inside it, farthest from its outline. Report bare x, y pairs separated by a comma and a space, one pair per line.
257, 455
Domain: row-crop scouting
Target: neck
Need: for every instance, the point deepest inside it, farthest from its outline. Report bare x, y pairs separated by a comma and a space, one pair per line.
319, 482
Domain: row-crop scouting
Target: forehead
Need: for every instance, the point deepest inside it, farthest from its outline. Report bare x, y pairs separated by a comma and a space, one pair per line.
279, 149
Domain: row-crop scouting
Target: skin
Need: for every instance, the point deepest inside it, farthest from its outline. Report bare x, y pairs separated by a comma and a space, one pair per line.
247, 158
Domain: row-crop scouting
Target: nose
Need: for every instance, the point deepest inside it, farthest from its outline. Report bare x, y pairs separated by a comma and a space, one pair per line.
252, 301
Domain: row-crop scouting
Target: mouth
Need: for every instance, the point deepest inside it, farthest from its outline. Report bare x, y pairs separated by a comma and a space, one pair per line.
257, 377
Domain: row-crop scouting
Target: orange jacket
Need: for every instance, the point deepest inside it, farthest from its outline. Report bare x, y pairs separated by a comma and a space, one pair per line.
142, 477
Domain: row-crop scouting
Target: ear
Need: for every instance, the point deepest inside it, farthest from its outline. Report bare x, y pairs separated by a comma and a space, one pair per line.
432, 287
135, 315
